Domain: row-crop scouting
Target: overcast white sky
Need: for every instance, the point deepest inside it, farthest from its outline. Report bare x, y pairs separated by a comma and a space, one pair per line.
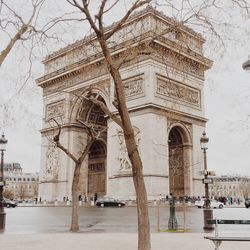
227, 99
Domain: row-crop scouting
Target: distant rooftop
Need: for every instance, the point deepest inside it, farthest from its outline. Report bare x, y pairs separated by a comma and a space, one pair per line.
14, 166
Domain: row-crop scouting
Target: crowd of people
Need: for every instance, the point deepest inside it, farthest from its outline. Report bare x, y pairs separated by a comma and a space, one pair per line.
225, 200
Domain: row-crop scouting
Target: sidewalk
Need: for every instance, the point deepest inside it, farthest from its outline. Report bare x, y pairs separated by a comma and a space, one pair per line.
106, 241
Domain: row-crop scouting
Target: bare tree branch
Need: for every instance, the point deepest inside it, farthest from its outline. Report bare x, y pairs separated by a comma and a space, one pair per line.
56, 139
26, 27
106, 110
137, 4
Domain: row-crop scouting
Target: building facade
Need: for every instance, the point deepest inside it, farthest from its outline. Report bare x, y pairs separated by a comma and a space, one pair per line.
20, 185
162, 66
233, 186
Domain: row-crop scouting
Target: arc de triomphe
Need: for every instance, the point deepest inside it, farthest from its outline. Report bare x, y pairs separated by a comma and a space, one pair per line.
162, 66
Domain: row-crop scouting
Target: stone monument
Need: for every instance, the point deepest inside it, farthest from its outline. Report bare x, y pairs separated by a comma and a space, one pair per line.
162, 66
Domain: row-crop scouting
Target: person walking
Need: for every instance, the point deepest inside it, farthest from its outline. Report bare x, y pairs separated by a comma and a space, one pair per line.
95, 197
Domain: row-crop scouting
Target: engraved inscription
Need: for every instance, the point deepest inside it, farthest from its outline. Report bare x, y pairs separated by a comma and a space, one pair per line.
55, 110
178, 91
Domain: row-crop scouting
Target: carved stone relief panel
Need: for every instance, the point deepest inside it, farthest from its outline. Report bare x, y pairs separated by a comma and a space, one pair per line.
51, 170
169, 89
134, 87
56, 109
125, 163
171, 58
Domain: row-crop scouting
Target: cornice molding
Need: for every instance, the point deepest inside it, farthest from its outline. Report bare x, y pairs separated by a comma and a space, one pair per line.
98, 60
158, 109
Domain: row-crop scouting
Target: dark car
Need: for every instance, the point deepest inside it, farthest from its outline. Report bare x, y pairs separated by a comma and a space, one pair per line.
247, 203
9, 203
109, 202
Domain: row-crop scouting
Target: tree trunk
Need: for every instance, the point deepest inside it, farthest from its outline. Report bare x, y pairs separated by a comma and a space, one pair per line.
74, 220
144, 241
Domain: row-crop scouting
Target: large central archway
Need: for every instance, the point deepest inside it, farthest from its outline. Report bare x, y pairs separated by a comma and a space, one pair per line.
96, 183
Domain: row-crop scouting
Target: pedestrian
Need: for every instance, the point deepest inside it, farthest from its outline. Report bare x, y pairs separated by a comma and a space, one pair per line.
238, 200
160, 197
79, 197
95, 197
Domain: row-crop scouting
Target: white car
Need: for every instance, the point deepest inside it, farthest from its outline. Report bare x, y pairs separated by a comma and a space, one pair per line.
213, 204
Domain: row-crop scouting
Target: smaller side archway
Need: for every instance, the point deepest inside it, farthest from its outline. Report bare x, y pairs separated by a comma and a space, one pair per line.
180, 159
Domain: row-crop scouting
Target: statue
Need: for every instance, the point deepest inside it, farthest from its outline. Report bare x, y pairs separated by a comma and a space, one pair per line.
52, 167
125, 163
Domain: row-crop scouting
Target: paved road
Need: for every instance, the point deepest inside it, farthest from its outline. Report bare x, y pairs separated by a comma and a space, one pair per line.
111, 220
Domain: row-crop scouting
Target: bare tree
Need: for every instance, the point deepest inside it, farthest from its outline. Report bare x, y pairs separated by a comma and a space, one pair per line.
22, 29
93, 136
245, 187
189, 12
8, 193
34, 187
22, 191
144, 239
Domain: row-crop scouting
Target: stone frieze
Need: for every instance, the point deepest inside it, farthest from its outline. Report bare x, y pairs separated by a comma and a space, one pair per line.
56, 109
169, 89
134, 87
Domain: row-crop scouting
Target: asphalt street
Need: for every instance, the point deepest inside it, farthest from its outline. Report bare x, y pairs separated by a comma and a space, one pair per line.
111, 220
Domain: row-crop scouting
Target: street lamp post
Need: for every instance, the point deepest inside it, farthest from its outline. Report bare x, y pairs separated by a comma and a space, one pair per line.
3, 143
207, 211
172, 221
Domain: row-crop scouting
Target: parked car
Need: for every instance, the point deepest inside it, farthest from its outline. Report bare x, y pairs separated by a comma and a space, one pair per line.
213, 204
109, 202
247, 203
9, 203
